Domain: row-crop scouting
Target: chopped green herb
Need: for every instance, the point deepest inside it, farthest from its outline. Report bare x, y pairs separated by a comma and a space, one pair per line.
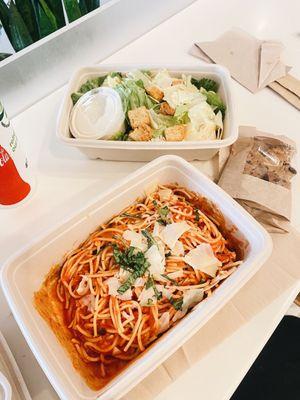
149, 302
177, 303
168, 278
150, 283
128, 283
197, 215
155, 203
149, 237
133, 261
163, 213
137, 216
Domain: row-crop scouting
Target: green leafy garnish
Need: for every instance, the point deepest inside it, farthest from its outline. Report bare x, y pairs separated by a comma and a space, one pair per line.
168, 278
197, 215
163, 213
133, 261
150, 283
131, 216
177, 303
206, 83
149, 237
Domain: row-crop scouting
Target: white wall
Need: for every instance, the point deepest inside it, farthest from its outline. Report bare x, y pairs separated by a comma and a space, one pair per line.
48, 67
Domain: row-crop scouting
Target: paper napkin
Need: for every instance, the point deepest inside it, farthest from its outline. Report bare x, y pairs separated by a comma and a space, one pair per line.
252, 62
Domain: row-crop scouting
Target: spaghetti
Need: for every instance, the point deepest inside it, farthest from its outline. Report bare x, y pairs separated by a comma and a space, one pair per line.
134, 278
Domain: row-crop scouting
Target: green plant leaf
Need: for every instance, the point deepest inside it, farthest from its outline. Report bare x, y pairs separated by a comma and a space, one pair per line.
46, 19
20, 36
4, 18
92, 4
83, 7
27, 12
3, 56
72, 9
57, 9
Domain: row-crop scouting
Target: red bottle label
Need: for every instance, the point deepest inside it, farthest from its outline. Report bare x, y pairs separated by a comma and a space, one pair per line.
12, 187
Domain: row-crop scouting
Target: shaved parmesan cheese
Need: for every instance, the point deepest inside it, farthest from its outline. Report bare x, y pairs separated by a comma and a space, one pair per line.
136, 240
172, 232
180, 94
178, 315
175, 274
191, 297
139, 282
83, 285
202, 258
122, 275
164, 322
89, 301
165, 194
178, 249
156, 230
162, 79
147, 297
156, 260
113, 286
165, 292
150, 188
203, 123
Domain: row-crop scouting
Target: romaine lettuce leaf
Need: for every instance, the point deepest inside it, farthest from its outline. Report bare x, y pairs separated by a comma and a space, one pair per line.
215, 101
207, 84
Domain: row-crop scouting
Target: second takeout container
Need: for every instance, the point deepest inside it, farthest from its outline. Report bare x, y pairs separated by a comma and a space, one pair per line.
23, 274
146, 151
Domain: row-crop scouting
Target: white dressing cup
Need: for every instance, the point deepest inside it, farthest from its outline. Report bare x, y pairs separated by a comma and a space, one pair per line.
98, 114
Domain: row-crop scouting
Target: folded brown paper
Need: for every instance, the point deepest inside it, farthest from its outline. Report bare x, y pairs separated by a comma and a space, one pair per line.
254, 63
280, 273
288, 87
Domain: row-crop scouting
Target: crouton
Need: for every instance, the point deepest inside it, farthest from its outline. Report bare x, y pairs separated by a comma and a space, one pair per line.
139, 116
155, 92
166, 109
141, 134
177, 81
175, 133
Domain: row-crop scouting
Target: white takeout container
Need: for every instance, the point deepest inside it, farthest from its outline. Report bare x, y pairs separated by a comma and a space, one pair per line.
12, 385
146, 151
23, 274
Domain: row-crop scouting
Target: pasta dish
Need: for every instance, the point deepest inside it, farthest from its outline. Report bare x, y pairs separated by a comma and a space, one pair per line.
134, 278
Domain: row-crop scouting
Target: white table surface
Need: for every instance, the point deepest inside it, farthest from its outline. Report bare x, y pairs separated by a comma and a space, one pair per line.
66, 180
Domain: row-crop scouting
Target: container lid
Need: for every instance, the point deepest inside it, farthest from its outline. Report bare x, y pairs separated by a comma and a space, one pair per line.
97, 114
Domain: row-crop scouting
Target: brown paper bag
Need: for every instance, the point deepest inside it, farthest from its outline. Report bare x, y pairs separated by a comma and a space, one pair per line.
258, 174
